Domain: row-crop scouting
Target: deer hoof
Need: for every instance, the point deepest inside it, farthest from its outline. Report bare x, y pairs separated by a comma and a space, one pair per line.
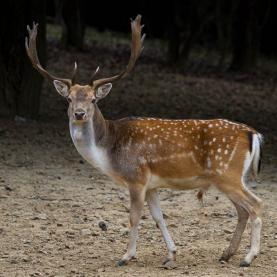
244, 264
121, 263
169, 264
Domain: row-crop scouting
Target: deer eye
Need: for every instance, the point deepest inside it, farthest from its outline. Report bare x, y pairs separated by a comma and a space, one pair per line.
93, 100
69, 100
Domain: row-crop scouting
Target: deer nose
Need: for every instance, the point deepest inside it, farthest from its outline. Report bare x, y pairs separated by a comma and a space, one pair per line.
79, 114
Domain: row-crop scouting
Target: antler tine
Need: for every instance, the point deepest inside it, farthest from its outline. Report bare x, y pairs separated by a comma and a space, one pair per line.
74, 73
94, 74
136, 48
31, 50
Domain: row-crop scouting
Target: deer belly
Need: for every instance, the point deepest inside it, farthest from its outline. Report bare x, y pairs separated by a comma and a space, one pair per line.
191, 182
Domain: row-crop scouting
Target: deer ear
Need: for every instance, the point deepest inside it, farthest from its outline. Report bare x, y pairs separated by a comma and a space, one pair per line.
61, 88
103, 91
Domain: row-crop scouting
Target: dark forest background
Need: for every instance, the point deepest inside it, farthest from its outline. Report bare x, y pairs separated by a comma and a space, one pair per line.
241, 33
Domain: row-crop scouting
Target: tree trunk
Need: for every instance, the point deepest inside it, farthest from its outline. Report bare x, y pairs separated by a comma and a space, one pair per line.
73, 24
20, 85
245, 37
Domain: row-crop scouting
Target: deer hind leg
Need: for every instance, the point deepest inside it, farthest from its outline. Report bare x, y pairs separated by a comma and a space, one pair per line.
235, 241
252, 204
256, 226
137, 197
152, 198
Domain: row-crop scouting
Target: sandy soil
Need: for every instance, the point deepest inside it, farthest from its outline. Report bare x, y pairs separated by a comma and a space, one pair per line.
51, 201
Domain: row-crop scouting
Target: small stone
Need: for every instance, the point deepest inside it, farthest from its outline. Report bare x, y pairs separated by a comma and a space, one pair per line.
8, 188
226, 231
85, 232
27, 241
67, 246
169, 265
121, 196
26, 259
103, 225
41, 216
70, 233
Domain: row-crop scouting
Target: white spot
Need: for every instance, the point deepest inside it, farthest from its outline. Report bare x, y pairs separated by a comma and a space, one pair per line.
219, 150
226, 152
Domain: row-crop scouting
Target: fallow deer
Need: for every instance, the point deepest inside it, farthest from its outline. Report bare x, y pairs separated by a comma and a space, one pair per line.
145, 154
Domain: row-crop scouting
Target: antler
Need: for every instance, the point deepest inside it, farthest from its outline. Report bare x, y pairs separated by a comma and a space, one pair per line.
136, 48
31, 49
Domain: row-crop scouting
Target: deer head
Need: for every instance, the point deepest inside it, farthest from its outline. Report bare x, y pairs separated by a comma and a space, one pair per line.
83, 98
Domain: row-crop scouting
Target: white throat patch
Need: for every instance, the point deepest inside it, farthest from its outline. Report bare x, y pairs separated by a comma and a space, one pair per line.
84, 140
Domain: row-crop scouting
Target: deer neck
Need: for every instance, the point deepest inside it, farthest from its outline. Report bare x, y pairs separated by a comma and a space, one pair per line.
90, 139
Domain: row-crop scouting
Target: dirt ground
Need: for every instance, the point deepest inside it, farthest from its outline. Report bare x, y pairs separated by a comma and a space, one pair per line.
51, 201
